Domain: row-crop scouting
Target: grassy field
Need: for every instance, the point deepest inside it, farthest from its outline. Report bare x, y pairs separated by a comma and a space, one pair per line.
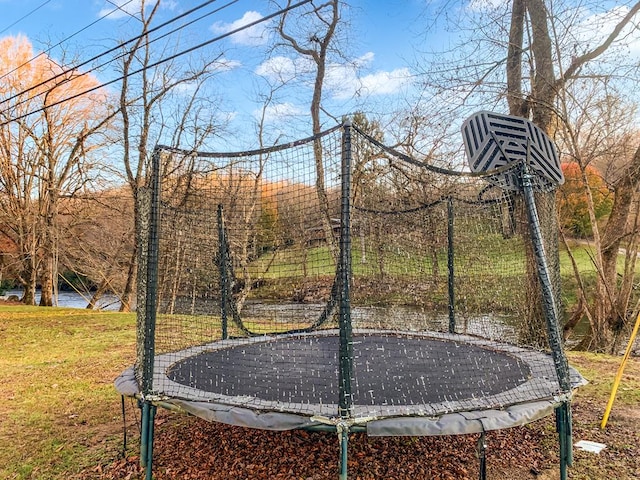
61, 417
60, 413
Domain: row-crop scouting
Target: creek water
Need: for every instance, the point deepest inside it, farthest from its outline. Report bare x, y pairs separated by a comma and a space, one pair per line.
488, 326
73, 299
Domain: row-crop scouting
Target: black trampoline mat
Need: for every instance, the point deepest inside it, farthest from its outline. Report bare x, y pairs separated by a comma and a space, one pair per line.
389, 369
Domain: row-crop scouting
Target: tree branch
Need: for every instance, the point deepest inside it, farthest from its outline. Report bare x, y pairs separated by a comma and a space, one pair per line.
580, 61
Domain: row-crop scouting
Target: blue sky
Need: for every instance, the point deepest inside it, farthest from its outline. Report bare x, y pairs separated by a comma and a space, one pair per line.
384, 27
382, 38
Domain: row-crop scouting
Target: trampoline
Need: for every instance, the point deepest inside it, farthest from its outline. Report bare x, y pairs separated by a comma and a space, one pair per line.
260, 273
404, 383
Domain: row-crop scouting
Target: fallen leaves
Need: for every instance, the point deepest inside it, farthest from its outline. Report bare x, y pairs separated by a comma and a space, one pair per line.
188, 448
192, 449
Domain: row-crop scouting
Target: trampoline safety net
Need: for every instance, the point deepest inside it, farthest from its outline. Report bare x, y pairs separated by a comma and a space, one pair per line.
332, 278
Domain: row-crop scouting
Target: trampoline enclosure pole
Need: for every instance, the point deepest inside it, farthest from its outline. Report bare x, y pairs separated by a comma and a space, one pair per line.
151, 277
224, 275
450, 265
563, 427
343, 436
344, 269
146, 438
550, 307
563, 413
346, 340
150, 307
482, 455
144, 434
148, 450
152, 418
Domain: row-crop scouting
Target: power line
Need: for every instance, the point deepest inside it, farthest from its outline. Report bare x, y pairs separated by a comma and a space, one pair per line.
96, 57
25, 16
64, 73
62, 41
164, 60
66, 78
122, 9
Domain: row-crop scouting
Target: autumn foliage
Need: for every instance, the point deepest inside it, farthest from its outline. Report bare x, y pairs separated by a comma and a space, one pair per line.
573, 199
53, 121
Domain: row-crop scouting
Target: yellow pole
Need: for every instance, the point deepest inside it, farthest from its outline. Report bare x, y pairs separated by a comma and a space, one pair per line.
616, 382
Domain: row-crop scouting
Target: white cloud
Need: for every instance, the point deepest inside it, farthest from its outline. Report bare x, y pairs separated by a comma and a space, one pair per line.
278, 112
342, 81
345, 81
364, 60
121, 8
186, 89
251, 36
385, 83
281, 68
284, 69
225, 65
169, 4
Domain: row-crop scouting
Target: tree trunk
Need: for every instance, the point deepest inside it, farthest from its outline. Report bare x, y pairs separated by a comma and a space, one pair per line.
48, 248
517, 103
539, 107
30, 280
46, 282
543, 91
607, 316
97, 295
318, 54
127, 293
318, 157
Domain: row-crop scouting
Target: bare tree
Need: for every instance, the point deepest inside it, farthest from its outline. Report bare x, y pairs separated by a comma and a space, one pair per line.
166, 101
551, 75
316, 43
53, 119
523, 55
86, 252
598, 133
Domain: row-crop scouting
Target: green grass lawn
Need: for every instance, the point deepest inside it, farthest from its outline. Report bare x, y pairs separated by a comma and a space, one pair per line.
57, 370
486, 272
493, 255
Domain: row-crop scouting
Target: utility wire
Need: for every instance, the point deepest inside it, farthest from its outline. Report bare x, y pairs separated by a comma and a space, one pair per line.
67, 78
164, 60
48, 50
123, 10
98, 56
25, 16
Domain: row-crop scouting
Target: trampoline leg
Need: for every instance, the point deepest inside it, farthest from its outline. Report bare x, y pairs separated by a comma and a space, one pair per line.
569, 421
144, 431
146, 438
563, 427
152, 417
482, 447
343, 438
